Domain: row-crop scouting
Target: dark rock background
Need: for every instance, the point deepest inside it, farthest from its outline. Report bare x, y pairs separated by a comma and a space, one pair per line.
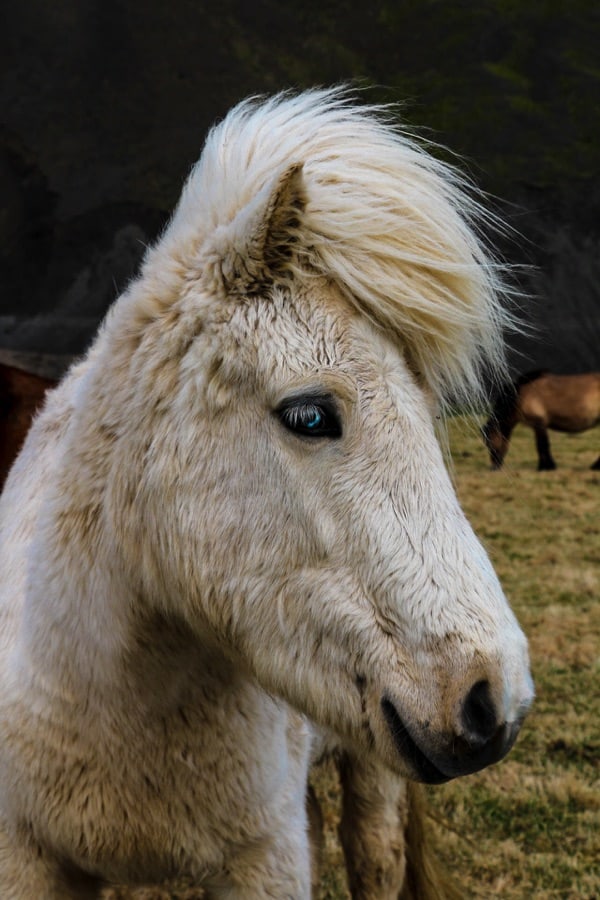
104, 105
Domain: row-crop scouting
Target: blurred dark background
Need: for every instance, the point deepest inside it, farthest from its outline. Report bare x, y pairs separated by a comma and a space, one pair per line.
104, 105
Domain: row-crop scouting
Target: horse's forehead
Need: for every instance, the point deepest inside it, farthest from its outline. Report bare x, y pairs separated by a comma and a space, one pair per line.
297, 327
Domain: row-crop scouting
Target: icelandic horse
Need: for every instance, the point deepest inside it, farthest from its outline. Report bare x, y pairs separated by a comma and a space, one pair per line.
543, 401
231, 538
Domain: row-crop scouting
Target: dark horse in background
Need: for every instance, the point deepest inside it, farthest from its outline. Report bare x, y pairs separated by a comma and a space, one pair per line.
541, 400
21, 394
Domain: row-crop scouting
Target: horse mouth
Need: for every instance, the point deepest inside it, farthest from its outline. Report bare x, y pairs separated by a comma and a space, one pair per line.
422, 766
454, 754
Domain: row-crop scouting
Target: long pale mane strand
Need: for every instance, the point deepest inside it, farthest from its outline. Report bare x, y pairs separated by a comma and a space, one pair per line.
394, 226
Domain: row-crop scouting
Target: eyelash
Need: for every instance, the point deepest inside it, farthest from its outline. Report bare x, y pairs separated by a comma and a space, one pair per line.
312, 417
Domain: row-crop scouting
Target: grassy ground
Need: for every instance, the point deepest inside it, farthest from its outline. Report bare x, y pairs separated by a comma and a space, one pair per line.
530, 826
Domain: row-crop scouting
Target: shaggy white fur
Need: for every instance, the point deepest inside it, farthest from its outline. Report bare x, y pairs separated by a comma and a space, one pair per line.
232, 523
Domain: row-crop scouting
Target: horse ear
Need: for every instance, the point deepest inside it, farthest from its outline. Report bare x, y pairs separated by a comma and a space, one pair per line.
258, 245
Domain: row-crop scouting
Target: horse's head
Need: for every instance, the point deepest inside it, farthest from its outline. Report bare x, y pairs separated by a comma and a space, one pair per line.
497, 430
284, 491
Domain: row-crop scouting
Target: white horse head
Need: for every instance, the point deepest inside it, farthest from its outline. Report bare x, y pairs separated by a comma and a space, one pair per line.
317, 291
249, 451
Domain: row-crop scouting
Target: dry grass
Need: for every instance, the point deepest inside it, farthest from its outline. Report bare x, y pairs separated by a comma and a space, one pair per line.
530, 827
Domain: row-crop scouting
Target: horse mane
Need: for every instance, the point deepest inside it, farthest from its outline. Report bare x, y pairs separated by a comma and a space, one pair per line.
395, 228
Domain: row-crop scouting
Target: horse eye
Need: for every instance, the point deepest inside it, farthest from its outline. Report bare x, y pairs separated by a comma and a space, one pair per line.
310, 416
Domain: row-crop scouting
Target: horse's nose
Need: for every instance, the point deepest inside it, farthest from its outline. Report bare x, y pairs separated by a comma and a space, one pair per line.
478, 716
482, 734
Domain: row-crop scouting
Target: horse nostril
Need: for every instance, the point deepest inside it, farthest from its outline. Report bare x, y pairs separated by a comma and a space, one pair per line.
478, 715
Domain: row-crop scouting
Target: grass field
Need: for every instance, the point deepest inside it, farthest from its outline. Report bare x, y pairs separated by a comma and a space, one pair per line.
530, 826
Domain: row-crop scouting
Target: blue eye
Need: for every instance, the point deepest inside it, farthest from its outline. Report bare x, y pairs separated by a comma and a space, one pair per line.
315, 420
310, 416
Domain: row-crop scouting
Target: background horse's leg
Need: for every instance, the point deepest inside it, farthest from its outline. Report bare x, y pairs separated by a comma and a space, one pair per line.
542, 442
28, 873
596, 466
387, 840
372, 829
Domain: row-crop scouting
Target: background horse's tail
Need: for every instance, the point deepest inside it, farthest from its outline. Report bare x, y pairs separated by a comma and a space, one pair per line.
426, 878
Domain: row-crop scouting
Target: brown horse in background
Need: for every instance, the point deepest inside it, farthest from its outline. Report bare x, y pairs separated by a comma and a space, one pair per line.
21, 394
541, 400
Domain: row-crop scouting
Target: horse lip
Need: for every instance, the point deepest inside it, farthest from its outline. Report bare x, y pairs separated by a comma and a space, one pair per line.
462, 760
465, 760
425, 770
